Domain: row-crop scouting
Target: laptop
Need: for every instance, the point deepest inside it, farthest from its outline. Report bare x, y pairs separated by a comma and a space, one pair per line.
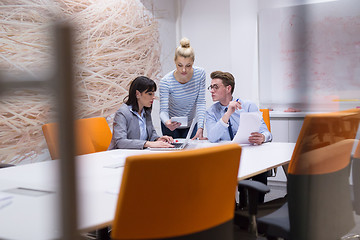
179, 146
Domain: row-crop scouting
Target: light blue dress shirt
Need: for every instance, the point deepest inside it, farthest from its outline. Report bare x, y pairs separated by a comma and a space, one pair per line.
217, 130
142, 123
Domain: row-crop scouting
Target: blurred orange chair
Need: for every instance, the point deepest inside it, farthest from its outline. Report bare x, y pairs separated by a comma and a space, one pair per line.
266, 117
92, 135
318, 190
178, 195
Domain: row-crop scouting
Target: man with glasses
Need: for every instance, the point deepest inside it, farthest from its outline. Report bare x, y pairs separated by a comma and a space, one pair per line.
222, 118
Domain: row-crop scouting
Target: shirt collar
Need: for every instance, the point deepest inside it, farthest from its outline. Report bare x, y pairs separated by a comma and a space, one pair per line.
223, 107
136, 113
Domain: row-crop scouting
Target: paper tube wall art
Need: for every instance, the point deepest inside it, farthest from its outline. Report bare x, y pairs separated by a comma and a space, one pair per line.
115, 41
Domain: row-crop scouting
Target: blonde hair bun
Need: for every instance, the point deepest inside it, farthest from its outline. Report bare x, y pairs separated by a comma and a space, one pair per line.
184, 49
185, 43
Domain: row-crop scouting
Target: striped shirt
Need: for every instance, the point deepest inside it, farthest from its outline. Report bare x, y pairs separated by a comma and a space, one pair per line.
181, 100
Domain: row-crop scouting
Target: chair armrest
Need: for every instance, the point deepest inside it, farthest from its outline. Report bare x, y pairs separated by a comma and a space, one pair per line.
254, 185
253, 188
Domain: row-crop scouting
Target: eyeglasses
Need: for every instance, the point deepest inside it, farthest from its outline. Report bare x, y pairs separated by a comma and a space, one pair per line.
214, 86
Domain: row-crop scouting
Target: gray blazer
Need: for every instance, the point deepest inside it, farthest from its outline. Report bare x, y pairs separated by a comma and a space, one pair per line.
126, 130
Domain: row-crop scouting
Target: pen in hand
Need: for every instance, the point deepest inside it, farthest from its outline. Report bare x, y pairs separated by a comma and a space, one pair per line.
237, 105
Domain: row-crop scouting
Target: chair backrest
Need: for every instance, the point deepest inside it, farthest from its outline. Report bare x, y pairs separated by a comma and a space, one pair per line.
176, 194
319, 196
91, 135
266, 117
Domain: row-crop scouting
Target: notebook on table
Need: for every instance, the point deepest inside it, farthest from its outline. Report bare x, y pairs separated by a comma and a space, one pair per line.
179, 146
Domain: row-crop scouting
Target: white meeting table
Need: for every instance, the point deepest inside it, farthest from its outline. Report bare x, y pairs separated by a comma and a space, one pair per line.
35, 215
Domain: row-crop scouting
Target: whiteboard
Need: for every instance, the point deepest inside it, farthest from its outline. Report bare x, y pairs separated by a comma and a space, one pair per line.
310, 54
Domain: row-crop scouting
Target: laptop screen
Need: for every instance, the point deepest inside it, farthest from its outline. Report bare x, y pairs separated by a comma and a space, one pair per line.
190, 130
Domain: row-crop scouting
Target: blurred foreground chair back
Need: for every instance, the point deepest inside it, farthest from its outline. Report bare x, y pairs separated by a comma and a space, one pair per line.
92, 135
319, 199
178, 195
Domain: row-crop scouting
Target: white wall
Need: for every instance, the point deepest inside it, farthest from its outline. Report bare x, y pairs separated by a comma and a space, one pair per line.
166, 14
223, 34
207, 24
244, 50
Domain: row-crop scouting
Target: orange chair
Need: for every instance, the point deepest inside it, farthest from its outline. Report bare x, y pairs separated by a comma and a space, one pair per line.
178, 195
266, 117
92, 135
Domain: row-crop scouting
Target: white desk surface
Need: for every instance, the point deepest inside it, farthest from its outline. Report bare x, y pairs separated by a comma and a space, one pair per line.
282, 114
99, 178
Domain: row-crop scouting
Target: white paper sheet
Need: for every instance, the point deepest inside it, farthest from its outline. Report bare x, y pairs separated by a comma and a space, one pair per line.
249, 122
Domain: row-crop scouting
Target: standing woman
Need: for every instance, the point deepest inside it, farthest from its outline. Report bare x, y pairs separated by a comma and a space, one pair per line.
133, 127
182, 94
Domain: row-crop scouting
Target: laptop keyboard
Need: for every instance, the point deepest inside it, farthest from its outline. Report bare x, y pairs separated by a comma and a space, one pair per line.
176, 145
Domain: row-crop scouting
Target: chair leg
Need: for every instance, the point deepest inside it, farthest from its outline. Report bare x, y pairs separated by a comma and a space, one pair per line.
253, 197
285, 168
253, 226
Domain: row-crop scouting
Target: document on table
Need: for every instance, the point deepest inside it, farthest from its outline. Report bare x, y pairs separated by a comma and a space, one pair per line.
249, 122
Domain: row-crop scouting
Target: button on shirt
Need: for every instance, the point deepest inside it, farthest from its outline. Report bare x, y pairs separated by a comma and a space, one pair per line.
142, 123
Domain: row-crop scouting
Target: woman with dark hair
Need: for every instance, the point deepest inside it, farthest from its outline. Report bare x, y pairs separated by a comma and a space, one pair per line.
132, 127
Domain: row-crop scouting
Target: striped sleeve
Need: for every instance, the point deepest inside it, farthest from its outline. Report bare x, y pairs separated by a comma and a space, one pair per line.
164, 97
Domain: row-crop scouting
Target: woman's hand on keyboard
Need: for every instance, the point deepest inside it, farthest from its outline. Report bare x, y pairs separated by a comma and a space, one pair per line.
167, 139
158, 144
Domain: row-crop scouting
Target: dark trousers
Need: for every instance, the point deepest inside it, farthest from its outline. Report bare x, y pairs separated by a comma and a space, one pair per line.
177, 133
243, 193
